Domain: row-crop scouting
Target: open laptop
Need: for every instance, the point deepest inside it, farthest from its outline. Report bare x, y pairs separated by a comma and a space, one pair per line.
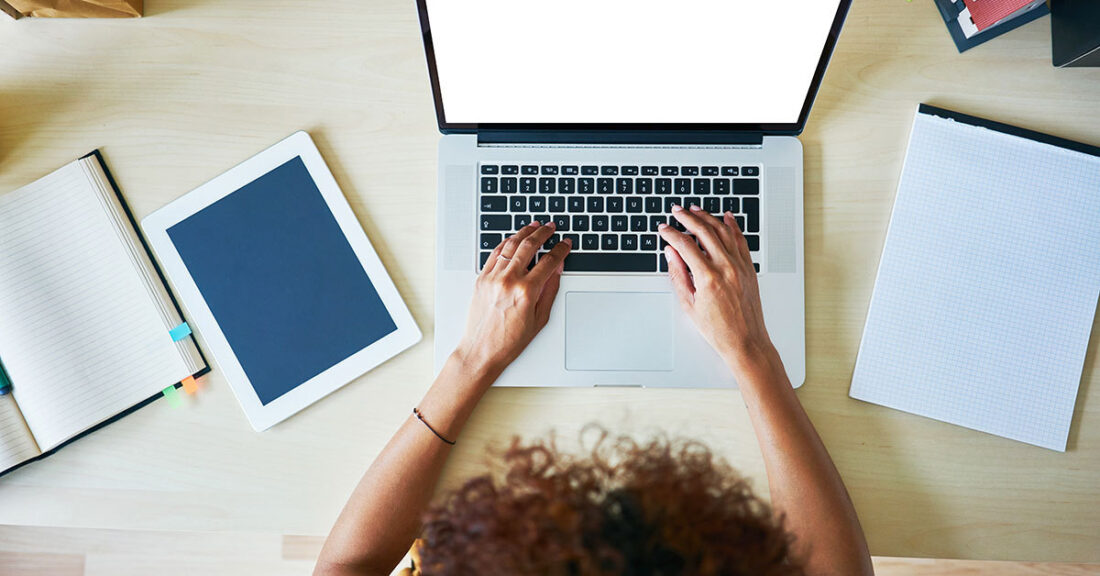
599, 115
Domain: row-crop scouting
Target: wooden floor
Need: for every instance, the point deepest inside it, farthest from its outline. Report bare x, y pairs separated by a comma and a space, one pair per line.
95, 552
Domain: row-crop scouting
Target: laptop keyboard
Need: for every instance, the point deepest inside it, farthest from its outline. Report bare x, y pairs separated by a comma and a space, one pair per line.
611, 212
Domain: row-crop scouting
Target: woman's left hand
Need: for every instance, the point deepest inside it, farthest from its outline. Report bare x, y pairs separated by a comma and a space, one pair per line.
511, 304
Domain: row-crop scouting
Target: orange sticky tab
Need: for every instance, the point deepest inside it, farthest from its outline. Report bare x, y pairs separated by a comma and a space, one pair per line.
189, 385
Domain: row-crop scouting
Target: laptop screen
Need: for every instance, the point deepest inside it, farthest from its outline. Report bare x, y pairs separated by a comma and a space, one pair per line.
627, 61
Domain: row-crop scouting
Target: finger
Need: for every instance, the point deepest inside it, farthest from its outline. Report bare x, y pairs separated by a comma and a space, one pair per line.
528, 247
491, 262
696, 225
738, 237
550, 263
546, 299
680, 277
684, 245
508, 248
717, 225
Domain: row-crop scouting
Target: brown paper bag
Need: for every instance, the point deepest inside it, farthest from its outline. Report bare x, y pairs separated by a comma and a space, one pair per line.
73, 8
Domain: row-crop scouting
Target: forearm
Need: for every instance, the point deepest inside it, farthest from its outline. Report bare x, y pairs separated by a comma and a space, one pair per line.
382, 517
805, 485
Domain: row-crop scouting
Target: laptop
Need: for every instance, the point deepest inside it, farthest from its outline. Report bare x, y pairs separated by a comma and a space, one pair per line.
599, 115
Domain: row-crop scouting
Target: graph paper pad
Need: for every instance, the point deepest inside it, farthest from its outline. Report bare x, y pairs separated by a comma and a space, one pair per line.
988, 283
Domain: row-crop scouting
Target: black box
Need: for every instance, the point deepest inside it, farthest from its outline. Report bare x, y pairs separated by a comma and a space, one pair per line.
1075, 32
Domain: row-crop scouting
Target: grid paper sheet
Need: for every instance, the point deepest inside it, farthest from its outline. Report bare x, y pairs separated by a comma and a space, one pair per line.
988, 284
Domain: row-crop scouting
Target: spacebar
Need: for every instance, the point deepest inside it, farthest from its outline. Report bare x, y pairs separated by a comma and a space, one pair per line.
613, 262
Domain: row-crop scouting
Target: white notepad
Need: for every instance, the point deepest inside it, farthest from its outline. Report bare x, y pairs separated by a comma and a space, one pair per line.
988, 282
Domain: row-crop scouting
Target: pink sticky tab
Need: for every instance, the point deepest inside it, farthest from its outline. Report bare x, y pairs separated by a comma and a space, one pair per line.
189, 385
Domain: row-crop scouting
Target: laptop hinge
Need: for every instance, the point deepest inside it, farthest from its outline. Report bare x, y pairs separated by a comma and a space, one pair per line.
619, 137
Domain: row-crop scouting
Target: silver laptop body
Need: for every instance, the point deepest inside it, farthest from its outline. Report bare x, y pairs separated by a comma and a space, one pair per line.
616, 321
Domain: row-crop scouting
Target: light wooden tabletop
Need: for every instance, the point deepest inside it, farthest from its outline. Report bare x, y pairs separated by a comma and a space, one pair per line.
180, 96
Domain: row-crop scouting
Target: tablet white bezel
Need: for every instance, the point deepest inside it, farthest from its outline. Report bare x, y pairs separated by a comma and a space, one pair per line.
156, 227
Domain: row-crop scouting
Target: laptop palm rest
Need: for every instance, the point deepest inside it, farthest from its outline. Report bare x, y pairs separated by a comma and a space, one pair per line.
622, 331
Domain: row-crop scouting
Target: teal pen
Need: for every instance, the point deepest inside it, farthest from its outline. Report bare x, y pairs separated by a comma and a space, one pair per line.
5, 382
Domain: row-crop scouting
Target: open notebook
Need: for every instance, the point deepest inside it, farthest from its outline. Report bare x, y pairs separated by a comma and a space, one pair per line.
988, 282
84, 313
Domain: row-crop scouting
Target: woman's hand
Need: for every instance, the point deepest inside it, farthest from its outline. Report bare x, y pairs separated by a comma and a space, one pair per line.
511, 304
716, 284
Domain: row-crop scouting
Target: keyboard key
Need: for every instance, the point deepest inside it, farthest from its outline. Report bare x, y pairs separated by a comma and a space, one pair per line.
721, 186
653, 205
670, 171
753, 241
590, 242
605, 185
601, 223
527, 185
494, 204
618, 224
561, 222
542, 218
595, 204
756, 267
629, 170
496, 222
628, 242
729, 171
702, 186
746, 186
530, 169
689, 170
547, 185
509, 169
643, 185
517, 204
537, 204
609, 170
490, 169
712, 205
682, 186
597, 262
649, 170
567, 185
624, 185
574, 238
589, 170
488, 185
609, 242
662, 265
551, 242
648, 242
670, 202
750, 171
576, 204
656, 221
586, 185
614, 204
710, 171
664, 186
509, 185
580, 223
550, 170
751, 208
569, 170
557, 204
484, 259
731, 205
740, 222
638, 224
490, 241
521, 220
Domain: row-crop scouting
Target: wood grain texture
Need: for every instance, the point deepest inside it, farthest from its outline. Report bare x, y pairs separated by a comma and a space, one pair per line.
182, 95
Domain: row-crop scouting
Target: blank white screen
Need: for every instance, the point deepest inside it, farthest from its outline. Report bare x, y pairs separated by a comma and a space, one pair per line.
627, 61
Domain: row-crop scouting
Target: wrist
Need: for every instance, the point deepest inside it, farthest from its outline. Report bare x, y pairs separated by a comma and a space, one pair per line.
475, 366
755, 364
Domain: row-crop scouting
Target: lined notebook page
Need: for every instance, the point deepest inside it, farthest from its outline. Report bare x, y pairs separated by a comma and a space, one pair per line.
80, 335
988, 284
16, 442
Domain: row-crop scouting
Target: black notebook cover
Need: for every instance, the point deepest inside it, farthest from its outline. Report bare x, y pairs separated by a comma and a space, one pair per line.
171, 296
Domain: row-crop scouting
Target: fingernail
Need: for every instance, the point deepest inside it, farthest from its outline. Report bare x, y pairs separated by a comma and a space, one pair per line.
662, 226
535, 223
568, 241
677, 208
695, 208
550, 224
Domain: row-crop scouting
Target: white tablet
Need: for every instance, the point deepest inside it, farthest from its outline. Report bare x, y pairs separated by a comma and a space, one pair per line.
279, 278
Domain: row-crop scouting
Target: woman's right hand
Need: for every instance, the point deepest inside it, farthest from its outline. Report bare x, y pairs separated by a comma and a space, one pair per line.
716, 284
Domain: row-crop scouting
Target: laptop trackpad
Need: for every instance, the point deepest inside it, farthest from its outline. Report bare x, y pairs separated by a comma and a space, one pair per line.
619, 331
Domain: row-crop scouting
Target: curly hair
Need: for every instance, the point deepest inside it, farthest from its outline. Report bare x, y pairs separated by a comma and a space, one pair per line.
660, 508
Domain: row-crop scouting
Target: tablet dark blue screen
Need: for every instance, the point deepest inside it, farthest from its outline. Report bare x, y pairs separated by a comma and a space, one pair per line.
281, 279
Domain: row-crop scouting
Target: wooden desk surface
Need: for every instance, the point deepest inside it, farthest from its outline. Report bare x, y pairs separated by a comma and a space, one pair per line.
198, 85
